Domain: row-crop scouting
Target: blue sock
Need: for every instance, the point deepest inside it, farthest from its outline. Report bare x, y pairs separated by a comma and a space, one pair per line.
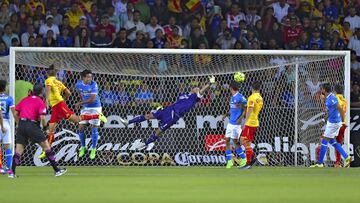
323, 149
228, 154
239, 151
94, 137
137, 119
338, 147
8, 157
152, 138
82, 138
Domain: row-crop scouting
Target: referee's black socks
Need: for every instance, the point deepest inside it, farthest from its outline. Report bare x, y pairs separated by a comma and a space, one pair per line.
50, 155
16, 162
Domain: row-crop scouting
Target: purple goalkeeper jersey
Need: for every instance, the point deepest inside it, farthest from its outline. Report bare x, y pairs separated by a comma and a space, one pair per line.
185, 103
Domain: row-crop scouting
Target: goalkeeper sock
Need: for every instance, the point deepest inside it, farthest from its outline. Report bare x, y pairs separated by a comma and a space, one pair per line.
82, 138
16, 161
50, 155
324, 145
51, 138
338, 148
137, 119
228, 154
249, 154
152, 139
94, 137
89, 117
8, 157
239, 151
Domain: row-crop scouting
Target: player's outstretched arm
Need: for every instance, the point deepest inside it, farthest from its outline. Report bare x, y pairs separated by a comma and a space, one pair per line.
205, 87
67, 94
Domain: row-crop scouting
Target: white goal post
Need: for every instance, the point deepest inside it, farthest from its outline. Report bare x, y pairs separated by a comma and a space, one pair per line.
284, 74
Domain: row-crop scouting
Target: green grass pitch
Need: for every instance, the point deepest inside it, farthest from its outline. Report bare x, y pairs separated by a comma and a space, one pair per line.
186, 184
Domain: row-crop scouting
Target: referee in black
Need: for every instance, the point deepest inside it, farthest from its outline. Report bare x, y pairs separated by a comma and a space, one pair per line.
29, 113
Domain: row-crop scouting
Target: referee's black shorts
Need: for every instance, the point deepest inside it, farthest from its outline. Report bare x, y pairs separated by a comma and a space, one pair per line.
29, 130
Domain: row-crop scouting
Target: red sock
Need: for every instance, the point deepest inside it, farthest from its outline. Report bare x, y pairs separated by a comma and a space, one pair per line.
249, 154
1, 159
317, 151
89, 117
51, 138
338, 158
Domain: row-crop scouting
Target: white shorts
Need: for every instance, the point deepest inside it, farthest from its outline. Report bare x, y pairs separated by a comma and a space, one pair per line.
6, 137
89, 111
332, 129
233, 131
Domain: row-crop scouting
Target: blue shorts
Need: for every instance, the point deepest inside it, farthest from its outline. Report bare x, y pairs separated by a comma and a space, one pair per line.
167, 117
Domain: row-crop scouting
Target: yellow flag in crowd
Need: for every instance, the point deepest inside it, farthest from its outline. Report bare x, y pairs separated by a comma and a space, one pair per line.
174, 6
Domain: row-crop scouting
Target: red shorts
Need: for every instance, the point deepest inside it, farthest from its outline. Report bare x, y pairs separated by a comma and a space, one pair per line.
340, 137
249, 133
60, 111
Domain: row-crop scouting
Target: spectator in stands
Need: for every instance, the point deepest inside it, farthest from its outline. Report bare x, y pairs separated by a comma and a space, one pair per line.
346, 32
354, 42
268, 19
14, 23
226, 41
108, 97
4, 15
355, 64
234, 17
132, 26
74, 15
57, 16
139, 41
293, 32
15, 42
159, 41
316, 38
120, 7
82, 24
109, 29
66, 24
121, 41
168, 29
49, 26
101, 39
291, 14
191, 26
353, 19
144, 9
65, 40
144, 95
31, 41
330, 11
252, 17
123, 95
175, 39
216, 25
152, 27
280, 9
355, 96
34, 5
15, 6
39, 41
159, 10
25, 36
150, 45
103, 5
197, 38
82, 39
49, 40
337, 43
113, 19
3, 49
8, 35
23, 17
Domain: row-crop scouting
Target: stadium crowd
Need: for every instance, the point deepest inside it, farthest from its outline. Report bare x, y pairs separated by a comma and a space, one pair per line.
195, 24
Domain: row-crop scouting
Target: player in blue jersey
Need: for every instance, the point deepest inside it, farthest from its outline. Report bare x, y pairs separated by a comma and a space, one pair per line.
172, 113
90, 101
233, 128
7, 105
335, 119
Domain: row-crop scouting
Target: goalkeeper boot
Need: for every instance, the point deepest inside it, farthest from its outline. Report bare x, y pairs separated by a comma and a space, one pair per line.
317, 166
92, 154
82, 151
347, 162
125, 122
102, 118
229, 164
61, 172
42, 155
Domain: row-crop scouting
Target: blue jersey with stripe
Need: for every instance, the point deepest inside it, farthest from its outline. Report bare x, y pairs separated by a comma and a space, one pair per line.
236, 112
185, 103
331, 103
86, 90
6, 102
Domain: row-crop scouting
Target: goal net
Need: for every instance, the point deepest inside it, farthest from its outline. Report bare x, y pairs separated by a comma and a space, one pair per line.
136, 81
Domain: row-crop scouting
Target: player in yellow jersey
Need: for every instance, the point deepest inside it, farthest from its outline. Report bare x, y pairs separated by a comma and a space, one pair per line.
338, 90
56, 94
254, 105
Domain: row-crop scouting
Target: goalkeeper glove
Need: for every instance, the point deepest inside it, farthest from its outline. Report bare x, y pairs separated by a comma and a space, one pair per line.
212, 79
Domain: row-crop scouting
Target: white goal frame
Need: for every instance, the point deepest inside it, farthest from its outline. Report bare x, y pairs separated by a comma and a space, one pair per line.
346, 54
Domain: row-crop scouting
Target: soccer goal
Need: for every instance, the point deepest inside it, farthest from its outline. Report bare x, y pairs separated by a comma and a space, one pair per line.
134, 81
